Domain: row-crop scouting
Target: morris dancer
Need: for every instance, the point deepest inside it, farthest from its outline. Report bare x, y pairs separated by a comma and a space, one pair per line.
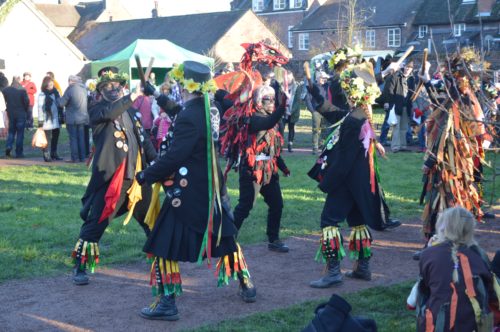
346, 171
121, 150
194, 222
252, 142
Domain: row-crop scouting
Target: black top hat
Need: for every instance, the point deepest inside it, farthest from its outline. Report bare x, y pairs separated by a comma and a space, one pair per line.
196, 71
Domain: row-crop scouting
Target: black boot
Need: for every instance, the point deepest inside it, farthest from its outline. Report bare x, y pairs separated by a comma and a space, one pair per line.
362, 270
162, 309
55, 156
46, 156
333, 276
80, 277
247, 291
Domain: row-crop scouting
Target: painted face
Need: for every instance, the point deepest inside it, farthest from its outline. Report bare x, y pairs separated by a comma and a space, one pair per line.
268, 104
112, 91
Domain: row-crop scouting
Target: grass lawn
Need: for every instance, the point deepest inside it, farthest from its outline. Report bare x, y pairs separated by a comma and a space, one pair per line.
387, 305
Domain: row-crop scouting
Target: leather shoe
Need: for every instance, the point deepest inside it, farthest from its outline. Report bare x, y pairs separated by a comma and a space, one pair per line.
278, 246
80, 277
392, 223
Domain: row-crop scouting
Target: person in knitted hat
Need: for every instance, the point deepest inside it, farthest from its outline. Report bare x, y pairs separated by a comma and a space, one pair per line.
195, 221
121, 150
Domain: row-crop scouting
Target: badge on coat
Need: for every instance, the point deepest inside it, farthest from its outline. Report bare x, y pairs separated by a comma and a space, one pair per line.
183, 171
176, 202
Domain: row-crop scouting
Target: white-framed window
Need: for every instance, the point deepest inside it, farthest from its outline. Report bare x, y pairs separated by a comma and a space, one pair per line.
394, 37
303, 41
290, 36
296, 4
357, 38
258, 5
370, 38
468, 1
458, 29
422, 30
279, 4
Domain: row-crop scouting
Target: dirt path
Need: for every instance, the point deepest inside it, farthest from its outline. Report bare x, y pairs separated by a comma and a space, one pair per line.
113, 299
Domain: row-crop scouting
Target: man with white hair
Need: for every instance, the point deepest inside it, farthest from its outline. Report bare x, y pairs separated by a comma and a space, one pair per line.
77, 117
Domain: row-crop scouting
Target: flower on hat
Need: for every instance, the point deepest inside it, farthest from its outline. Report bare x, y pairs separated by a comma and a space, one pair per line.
177, 73
109, 76
356, 90
191, 86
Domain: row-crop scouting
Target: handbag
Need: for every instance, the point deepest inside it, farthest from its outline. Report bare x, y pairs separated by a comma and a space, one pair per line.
39, 139
392, 120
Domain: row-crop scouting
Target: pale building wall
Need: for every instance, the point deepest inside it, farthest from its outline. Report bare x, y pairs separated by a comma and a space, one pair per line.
249, 29
30, 44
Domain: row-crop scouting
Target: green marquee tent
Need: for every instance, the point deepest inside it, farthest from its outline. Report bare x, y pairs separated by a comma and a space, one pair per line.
164, 52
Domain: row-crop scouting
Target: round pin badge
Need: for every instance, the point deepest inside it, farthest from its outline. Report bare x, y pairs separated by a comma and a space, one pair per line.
125, 147
183, 171
119, 144
142, 138
183, 183
138, 114
329, 146
168, 183
176, 202
117, 134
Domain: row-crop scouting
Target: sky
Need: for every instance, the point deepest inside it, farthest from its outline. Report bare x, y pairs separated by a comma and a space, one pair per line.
142, 8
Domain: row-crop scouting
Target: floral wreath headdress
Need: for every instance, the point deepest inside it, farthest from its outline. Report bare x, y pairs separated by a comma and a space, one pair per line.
345, 54
110, 76
177, 73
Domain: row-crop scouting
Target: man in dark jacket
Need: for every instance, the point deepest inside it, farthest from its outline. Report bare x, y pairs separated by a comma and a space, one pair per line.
397, 93
122, 150
17, 102
77, 117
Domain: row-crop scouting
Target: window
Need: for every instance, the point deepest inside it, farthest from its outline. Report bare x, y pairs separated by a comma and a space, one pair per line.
296, 4
370, 38
422, 31
279, 4
469, 1
303, 41
458, 29
394, 37
258, 5
290, 36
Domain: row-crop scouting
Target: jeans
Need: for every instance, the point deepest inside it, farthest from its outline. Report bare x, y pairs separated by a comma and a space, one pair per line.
272, 196
76, 141
16, 129
384, 131
422, 134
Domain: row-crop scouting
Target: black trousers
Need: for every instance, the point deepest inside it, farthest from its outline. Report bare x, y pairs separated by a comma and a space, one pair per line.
340, 206
92, 230
53, 139
272, 196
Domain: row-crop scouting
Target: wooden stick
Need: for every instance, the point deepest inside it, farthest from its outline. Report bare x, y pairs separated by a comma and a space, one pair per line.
307, 72
139, 68
405, 55
421, 84
150, 67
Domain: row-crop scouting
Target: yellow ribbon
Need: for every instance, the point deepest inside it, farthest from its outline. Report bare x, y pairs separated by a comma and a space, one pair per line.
134, 192
154, 207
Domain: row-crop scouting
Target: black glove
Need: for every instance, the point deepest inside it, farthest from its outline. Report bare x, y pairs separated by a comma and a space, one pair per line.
149, 89
140, 178
316, 94
40, 124
287, 172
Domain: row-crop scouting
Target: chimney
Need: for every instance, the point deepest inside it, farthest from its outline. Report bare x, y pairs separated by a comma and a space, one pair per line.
154, 12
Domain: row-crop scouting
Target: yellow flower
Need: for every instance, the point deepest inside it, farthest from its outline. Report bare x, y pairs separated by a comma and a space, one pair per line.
191, 86
209, 86
177, 73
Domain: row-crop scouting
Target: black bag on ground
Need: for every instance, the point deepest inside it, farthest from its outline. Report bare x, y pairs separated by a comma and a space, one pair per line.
334, 316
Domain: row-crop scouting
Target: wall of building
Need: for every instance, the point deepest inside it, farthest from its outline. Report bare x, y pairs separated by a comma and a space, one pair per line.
249, 29
35, 48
